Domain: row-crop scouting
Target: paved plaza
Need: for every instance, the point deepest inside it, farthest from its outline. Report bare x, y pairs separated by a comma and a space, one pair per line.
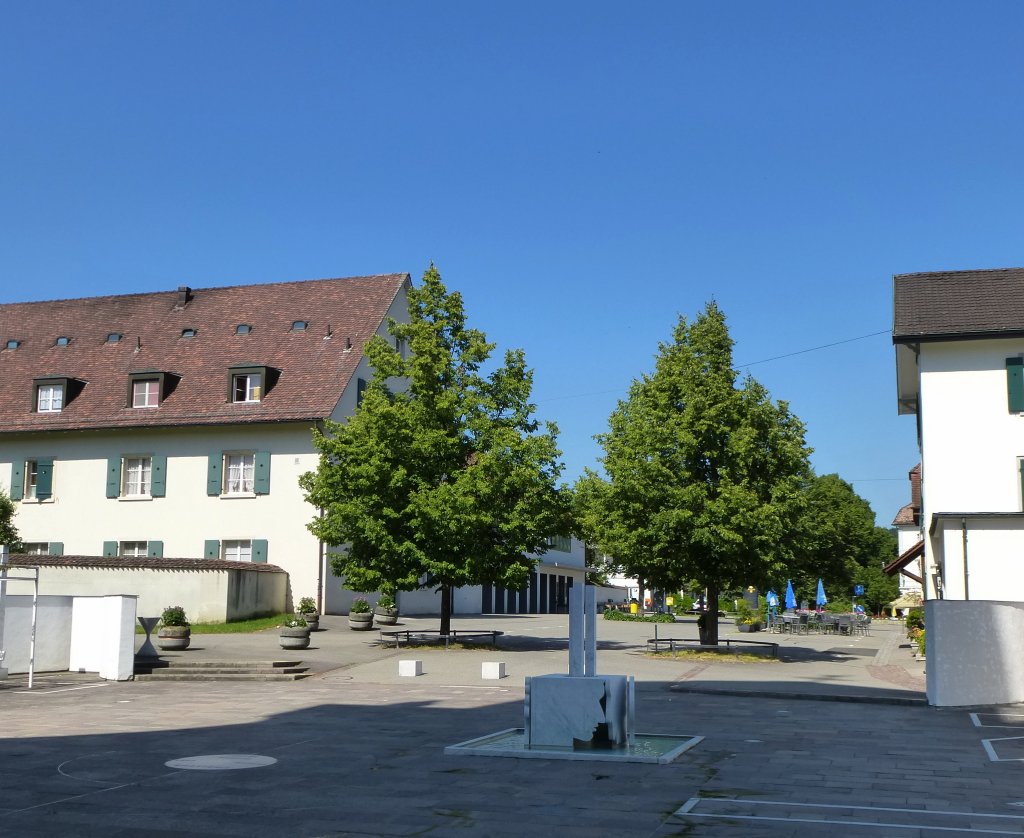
833, 738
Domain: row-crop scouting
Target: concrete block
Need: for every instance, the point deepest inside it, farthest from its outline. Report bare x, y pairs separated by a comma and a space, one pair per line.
493, 670
410, 668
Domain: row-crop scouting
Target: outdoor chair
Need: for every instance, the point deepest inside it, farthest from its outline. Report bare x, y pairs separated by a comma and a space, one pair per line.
861, 624
844, 624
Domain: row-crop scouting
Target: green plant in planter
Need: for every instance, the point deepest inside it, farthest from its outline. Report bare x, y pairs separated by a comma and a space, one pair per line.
920, 643
385, 600
307, 605
296, 621
360, 606
174, 615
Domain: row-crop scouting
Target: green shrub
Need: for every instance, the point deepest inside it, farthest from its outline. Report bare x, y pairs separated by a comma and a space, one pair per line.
386, 600
174, 615
915, 619
611, 614
360, 606
307, 605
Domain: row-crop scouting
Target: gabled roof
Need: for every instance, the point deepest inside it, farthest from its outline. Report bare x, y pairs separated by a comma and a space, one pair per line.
313, 371
957, 305
908, 555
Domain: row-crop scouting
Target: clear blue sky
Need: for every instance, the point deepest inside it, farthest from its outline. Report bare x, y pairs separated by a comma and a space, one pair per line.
582, 172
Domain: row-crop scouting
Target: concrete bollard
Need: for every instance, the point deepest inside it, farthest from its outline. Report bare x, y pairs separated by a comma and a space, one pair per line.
410, 668
493, 670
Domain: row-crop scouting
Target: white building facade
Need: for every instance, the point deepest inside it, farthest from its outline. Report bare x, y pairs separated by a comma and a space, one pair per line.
959, 340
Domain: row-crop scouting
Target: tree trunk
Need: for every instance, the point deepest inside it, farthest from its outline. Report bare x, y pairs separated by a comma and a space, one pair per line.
708, 622
446, 608
640, 593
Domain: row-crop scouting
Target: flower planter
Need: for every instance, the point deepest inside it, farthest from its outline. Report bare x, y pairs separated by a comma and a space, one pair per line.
294, 638
361, 621
174, 638
386, 616
748, 627
312, 620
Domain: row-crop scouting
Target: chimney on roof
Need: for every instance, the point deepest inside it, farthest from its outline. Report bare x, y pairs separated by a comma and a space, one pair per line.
184, 296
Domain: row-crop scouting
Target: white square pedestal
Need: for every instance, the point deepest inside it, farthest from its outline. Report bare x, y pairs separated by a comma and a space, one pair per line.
493, 670
410, 668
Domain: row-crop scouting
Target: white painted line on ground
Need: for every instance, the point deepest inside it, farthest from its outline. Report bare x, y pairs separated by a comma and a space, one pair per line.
993, 756
977, 722
687, 811
44, 691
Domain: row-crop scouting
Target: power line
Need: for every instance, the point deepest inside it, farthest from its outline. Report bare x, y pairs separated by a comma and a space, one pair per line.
752, 363
814, 348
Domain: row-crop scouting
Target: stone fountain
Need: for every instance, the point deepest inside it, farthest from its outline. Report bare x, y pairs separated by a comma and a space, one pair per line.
580, 715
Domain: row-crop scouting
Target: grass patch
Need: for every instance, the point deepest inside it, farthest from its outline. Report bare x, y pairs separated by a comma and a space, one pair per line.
237, 626
725, 656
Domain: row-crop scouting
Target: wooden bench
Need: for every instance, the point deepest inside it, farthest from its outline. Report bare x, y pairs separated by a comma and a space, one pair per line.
435, 636
685, 644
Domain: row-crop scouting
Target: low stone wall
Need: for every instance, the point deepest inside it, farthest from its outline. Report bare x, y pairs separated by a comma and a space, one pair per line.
208, 590
975, 651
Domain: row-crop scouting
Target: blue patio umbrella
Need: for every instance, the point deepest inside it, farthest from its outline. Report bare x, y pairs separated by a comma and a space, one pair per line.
821, 599
790, 596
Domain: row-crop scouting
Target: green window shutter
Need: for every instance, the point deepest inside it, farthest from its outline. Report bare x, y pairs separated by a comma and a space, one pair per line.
213, 474
158, 484
259, 550
261, 483
211, 549
17, 481
155, 549
1015, 384
44, 481
56, 548
113, 477
109, 549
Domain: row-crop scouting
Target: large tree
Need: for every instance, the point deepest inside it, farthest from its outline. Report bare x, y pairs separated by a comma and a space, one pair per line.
442, 477
841, 544
8, 532
704, 475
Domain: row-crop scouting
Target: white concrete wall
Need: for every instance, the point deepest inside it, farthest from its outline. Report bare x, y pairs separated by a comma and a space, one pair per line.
53, 632
970, 449
975, 652
995, 557
206, 596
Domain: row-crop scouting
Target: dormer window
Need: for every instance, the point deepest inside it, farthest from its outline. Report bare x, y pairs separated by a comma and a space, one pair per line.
243, 329
146, 393
250, 384
13, 344
63, 340
248, 387
50, 398
188, 333
299, 325
114, 337
149, 388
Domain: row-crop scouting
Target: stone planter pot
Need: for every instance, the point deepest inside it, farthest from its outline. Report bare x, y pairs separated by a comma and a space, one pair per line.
748, 627
294, 638
360, 622
385, 616
174, 638
312, 620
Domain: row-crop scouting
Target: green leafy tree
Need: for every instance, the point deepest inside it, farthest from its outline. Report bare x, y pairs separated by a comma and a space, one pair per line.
841, 544
705, 478
444, 479
8, 532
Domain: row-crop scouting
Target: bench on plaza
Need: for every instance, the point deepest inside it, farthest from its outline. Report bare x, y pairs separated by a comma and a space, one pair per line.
435, 636
673, 644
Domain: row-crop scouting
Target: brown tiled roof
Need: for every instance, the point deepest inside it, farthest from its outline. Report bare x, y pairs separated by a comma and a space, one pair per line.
905, 517
313, 371
139, 563
958, 304
908, 555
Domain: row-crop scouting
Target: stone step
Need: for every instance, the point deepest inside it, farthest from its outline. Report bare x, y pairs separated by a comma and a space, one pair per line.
180, 669
178, 663
164, 675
